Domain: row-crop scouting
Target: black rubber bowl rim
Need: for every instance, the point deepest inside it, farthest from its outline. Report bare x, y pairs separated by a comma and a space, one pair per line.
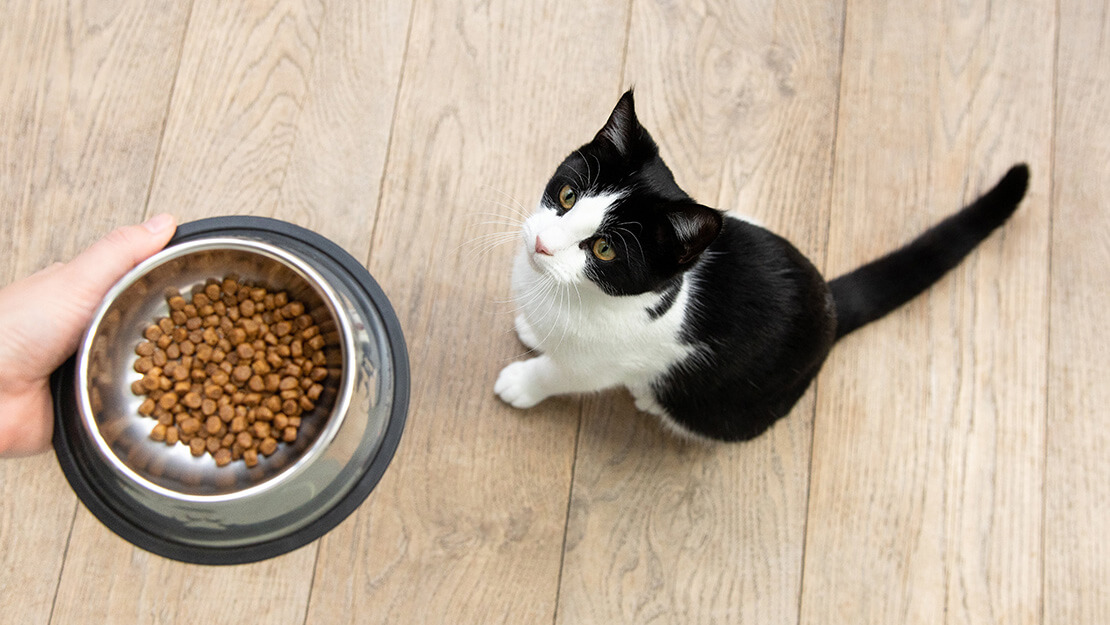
86, 488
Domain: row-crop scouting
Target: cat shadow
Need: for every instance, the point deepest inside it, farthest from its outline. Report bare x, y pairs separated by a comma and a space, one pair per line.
612, 423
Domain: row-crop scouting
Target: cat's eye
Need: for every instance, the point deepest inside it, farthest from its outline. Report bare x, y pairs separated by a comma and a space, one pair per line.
603, 250
567, 197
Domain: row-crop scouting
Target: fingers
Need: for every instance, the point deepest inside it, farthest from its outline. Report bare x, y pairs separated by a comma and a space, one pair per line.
92, 272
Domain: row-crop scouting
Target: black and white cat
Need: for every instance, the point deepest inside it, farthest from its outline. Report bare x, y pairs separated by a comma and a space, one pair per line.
714, 324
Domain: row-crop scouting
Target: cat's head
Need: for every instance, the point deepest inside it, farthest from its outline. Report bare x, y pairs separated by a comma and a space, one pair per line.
613, 215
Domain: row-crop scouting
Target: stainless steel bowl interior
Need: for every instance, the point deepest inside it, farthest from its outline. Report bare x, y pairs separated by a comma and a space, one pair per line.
106, 358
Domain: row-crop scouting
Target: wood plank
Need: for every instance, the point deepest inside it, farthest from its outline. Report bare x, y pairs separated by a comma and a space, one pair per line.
332, 183
241, 92
1077, 558
742, 103
926, 495
85, 99
467, 525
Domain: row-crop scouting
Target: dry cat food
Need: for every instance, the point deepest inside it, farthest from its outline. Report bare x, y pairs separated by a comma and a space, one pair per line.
230, 371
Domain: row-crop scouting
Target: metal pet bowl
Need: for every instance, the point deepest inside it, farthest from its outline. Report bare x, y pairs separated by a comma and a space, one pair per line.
162, 498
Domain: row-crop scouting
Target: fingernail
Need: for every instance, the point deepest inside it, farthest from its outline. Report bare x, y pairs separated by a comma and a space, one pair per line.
158, 223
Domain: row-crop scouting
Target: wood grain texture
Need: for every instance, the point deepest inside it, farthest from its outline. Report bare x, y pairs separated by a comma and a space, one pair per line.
925, 502
332, 181
239, 94
468, 524
79, 127
740, 101
1077, 488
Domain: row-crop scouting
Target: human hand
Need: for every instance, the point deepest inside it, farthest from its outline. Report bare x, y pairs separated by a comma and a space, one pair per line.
42, 319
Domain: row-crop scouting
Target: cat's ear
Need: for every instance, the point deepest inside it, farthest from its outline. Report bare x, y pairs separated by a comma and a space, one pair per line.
622, 130
695, 227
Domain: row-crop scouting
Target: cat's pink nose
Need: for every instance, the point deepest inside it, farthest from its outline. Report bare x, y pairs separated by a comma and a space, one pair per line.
541, 248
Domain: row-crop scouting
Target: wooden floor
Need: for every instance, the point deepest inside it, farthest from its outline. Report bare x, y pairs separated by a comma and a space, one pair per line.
950, 465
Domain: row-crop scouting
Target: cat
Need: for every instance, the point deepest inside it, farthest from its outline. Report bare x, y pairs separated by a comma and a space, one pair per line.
714, 324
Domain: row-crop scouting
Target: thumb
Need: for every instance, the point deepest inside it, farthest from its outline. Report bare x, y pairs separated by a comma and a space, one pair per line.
92, 272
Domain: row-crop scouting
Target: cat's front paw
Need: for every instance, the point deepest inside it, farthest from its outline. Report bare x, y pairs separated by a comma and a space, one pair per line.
516, 385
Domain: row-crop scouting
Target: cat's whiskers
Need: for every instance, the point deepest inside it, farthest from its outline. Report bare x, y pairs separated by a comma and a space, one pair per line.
482, 244
529, 297
516, 207
587, 184
617, 231
554, 311
485, 244
566, 318
557, 298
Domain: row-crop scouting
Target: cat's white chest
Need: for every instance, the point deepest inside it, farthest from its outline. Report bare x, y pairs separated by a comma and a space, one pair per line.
611, 337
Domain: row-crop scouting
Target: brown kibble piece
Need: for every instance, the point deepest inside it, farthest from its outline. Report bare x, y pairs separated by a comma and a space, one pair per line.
197, 447
273, 402
189, 426
273, 382
238, 424
245, 440
267, 447
192, 400
167, 401
222, 457
314, 391
260, 429
242, 373
150, 382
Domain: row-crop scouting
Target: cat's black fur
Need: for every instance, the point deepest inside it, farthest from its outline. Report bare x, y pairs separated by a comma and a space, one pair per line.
762, 315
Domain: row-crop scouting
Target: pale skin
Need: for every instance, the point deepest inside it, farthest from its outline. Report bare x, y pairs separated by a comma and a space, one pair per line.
42, 319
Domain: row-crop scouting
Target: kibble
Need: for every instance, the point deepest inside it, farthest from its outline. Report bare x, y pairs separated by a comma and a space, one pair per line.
230, 370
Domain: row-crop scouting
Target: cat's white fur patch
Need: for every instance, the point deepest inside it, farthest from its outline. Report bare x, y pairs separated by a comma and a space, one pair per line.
589, 340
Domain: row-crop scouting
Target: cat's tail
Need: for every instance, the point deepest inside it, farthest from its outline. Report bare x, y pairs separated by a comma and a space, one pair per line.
875, 289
